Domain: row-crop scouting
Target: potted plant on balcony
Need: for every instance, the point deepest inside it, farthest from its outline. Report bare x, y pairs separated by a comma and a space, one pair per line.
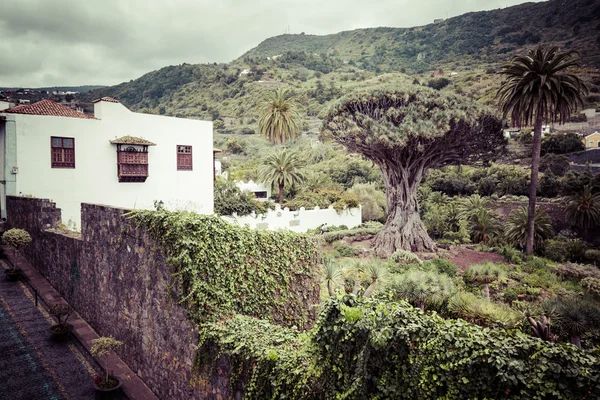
61, 312
17, 239
102, 347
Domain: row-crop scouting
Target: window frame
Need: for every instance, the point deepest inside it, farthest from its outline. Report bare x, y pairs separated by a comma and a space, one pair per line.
180, 166
55, 164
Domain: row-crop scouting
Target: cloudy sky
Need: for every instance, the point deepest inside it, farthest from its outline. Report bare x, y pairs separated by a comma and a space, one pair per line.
79, 42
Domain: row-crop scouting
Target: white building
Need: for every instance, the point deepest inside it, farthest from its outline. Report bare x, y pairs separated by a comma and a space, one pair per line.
260, 190
6, 104
116, 157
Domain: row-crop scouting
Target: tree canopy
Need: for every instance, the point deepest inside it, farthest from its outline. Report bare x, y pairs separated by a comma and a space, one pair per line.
405, 131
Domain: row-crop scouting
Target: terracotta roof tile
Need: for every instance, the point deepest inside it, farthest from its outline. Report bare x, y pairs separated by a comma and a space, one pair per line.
109, 99
47, 107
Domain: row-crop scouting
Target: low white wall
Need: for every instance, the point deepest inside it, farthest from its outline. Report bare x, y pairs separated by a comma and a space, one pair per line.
300, 220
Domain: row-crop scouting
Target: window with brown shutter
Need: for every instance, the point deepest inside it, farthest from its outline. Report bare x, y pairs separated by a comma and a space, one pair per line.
184, 157
63, 152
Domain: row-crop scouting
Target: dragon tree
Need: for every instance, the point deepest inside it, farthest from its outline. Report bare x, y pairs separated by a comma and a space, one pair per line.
406, 131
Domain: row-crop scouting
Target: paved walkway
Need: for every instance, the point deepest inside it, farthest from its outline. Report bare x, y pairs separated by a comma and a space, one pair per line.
83, 335
32, 364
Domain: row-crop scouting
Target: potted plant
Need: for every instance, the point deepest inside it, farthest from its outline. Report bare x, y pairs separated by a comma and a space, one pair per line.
18, 239
101, 347
61, 312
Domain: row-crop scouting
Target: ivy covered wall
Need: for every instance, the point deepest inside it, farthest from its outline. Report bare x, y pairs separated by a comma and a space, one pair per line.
119, 279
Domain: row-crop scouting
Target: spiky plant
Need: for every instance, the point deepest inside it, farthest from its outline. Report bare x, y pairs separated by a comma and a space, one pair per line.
282, 168
577, 316
278, 115
485, 274
583, 209
472, 204
539, 88
332, 275
483, 225
422, 287
516, 229
376, 273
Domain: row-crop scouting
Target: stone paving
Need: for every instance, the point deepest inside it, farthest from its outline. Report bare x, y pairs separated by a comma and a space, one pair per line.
32, 365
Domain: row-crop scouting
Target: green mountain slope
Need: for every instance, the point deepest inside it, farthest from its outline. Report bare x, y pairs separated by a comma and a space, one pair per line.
465, 50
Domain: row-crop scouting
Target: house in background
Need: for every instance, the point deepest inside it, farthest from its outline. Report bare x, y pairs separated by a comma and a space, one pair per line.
592, 141
260, 190
115, 157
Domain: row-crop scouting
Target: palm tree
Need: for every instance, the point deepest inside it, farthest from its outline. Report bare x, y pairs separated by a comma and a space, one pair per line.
483, 225
516, 232
278, 116
538, 89
282, 168
485, 274
583, 210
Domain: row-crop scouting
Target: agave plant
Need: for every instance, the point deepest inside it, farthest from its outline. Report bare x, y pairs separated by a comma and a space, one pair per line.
371, 273
485, 274
516, 228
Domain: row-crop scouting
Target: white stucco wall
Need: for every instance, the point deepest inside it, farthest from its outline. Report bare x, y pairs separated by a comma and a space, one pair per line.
94, 178
300, 220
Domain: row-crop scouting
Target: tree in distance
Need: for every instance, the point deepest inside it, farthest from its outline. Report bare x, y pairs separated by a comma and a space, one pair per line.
538, 88
407, 131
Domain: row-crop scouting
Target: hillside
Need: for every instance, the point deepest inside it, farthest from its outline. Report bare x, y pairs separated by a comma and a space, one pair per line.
465, 51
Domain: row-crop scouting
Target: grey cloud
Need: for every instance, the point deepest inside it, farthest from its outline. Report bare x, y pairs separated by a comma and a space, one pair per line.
74, 42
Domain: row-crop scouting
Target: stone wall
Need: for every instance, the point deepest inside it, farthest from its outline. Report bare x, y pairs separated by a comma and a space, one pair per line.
116, 278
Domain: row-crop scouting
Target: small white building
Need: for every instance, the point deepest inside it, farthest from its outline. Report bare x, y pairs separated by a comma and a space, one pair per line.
6, 104
115, 157
260, 190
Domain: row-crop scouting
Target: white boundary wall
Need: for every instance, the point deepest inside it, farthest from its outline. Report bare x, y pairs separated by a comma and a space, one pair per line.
300, 220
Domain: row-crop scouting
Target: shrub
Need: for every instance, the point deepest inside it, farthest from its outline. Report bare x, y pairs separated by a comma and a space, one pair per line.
483, 312
16, 238
534, 263
562, 143
344, 250
373, 201
443, 266
557, 164
510, 254
562, 249
405, 257
592, 286
229, 199
593, 256
331, 237
556, 250
576, 271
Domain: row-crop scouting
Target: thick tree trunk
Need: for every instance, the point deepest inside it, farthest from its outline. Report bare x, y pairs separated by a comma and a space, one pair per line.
535, 169
403, 229
280, 196
576, 340
330, 288
486, 291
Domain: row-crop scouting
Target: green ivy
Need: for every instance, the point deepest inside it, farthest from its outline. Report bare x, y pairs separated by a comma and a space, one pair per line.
221, 269
371, 349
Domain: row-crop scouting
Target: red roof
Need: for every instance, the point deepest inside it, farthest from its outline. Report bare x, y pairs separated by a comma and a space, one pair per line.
109, 99
47, 107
